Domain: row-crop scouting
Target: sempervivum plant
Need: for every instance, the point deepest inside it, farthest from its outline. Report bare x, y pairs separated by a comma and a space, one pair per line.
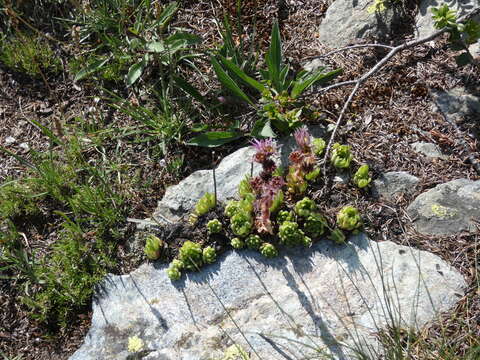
214, 226
209, 255
241, 223
361, 178
268, 250
285, 215
348, 218
253, 242
237, 243
174, 271
153, 247
267, 187
290, 234
305, 207
341, 156
315, 224
303, 162
191, 255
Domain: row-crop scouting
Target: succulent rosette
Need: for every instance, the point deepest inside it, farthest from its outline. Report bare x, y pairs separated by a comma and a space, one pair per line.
348, 218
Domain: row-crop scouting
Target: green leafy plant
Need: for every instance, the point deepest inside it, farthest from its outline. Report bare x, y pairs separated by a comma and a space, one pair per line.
348, 218
338, 236
462, 35
174, 272
290, 233
361, 177
214, 226
341, 156
315, 224
285, 215
279, 107
203, 206
153, 247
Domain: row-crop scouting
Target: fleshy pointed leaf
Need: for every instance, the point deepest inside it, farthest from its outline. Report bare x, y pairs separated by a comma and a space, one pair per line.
308, 80
274, 56
228, 82
241, 74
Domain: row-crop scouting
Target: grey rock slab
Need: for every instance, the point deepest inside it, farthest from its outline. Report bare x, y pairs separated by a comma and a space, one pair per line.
447, 209
394, 182
325, 297
182, 198
456, 104
430, 150
347, 20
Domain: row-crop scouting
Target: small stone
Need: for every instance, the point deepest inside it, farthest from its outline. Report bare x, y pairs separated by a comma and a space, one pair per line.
24, 146
9, 140
395, 182
447, 208
430, 150
456, 104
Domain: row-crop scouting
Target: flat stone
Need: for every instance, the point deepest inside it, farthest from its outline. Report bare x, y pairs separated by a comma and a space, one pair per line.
456, 104
327, 297
182, 198
346, 21
430, 150
447, 209
393, 183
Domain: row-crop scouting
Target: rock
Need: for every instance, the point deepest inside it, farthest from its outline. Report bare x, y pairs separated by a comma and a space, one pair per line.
181, 198
346, 21
394, 182
447, 208
24, 146
324, 297
9, 140
456, 104
429, 150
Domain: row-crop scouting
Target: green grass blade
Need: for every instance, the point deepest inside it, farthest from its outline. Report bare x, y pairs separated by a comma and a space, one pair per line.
215, 138
189, 89
228, 82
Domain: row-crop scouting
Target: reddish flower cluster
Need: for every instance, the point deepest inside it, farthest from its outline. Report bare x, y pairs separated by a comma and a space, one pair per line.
302, 161
265, 186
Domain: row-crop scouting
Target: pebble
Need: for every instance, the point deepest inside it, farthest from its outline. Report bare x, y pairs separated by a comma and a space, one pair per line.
10, 140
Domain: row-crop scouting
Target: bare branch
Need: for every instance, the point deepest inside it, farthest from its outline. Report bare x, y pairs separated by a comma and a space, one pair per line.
375, 69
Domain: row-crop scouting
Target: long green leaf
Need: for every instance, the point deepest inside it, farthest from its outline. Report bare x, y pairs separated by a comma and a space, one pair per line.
189, 89
165, 16
308, 80
228, 82
274, 56
215, 138
241, 74
135, 72
46, 131
90, 69
263, 129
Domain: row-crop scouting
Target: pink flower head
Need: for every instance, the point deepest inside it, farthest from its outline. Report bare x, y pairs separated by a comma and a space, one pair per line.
264, 148
302, 137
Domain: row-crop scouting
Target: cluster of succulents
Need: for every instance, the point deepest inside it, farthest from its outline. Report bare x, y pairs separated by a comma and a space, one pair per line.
264, 209
206, 203
191, 257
